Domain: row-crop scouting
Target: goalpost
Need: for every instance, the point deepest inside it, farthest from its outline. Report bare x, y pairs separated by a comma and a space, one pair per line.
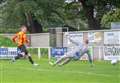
56, 36
57, 47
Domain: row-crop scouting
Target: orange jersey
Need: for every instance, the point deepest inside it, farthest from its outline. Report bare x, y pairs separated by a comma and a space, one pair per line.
20, 38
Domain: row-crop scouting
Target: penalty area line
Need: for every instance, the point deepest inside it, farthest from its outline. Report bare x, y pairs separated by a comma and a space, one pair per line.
67, 71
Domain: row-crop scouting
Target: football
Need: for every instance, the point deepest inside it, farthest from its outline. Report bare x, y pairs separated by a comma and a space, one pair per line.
114, 61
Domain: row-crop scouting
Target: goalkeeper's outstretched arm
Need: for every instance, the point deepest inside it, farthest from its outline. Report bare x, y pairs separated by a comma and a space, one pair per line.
72, 41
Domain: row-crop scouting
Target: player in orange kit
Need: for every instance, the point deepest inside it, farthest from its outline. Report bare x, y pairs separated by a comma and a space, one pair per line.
21, 39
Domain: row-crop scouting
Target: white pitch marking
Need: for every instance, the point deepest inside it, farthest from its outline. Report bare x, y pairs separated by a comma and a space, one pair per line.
76, 72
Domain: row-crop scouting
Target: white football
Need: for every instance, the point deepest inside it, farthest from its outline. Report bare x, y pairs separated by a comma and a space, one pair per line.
114, 61
66, 33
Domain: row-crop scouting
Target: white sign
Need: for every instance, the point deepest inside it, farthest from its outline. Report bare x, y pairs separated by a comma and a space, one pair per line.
7, 53
111, 52
115, 25
112, 37
91, 36
94, 36
112, 45
76, 36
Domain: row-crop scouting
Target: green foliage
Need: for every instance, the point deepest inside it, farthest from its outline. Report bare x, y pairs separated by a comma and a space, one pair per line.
44, 52
45, 11
8, 30
49, 13
71, 10
14, 12
33, 51
52, 13
74, 16
6, 42
112, 16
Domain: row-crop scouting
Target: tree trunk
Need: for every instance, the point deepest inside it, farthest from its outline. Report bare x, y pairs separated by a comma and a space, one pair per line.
93, 24
37, 26
33, 25
32, 28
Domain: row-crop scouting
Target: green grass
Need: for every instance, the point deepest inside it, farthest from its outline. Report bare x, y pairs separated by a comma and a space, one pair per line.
74, 72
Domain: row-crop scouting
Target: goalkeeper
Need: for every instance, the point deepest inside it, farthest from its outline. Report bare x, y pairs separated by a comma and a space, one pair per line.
76, 53
21, 39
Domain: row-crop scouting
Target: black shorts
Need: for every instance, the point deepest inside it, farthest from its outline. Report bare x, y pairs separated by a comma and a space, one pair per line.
22, 49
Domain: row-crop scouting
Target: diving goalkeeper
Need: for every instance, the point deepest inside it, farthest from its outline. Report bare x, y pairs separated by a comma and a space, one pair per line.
75, 53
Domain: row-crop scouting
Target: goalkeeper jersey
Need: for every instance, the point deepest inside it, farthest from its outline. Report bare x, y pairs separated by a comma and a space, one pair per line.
78, 46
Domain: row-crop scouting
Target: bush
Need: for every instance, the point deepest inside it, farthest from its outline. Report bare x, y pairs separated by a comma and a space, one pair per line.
6, 42
112, 16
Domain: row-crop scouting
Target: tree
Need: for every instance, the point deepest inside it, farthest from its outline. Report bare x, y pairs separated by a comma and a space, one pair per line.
74, 17
112, 16
15, 13
100, 7
42, 14
36, 14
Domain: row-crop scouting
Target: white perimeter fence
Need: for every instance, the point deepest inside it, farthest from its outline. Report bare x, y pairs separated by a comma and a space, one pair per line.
104, 44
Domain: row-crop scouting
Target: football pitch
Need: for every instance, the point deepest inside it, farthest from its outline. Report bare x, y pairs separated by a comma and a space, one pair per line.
74, 72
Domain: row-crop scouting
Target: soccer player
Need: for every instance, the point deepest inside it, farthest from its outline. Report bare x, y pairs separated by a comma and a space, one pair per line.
75, 53
21, 40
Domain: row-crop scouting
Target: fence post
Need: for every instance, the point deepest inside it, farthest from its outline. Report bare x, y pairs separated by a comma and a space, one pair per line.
49, 54
39, 53
100, 57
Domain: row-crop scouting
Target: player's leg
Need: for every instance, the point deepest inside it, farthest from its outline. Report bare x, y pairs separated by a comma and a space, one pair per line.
58, 61
89, 57
30, 58
19, 54
28, 55
16, 58
67, 55
80, 54
86, 51
67, 60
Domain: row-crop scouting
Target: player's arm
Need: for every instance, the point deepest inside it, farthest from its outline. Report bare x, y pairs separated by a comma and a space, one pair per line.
14, 38
26, 40
71, 40
74, 42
